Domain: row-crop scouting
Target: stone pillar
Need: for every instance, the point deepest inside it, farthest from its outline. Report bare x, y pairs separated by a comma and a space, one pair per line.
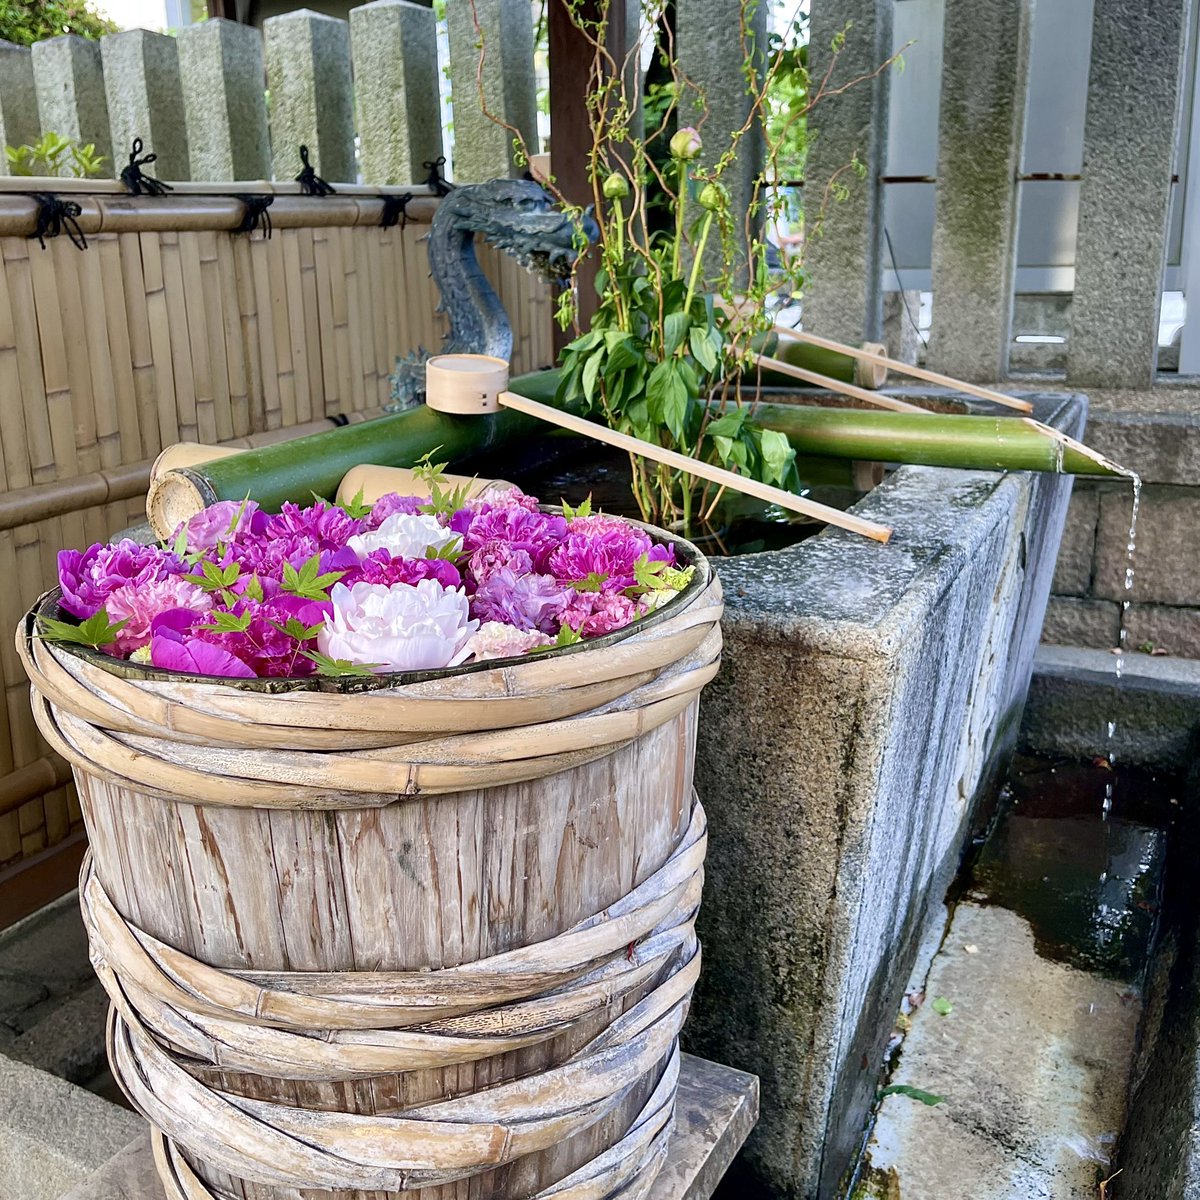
482, 148
710, 55
393, 44
221, 63
145, 99
901, 334
985, 69
1128, 150
843, 292
70, 92
19, 125
308, 76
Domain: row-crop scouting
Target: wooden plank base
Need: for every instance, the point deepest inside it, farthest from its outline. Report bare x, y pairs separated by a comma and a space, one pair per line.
716, 1109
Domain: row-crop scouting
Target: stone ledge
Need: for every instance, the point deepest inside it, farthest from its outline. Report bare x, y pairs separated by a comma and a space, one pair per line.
1074, 694
715, 1111
53, 1133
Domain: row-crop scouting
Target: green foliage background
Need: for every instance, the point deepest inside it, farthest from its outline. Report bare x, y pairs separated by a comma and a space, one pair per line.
27, 21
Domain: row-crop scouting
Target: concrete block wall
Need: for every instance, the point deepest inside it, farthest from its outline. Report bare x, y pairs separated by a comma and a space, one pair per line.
1157, 434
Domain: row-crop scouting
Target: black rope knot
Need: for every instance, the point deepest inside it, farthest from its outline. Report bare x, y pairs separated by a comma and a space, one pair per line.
56, 216
435, 180
137, 183
395, 211
256, 215
311, 184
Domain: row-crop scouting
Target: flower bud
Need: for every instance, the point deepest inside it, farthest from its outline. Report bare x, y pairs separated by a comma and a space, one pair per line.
685, 144
714, 197
616, 186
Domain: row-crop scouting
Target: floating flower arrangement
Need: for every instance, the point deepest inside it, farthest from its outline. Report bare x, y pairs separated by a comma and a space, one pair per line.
406, 584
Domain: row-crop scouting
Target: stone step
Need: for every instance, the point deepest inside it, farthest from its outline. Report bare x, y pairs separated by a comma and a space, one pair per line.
716, 1109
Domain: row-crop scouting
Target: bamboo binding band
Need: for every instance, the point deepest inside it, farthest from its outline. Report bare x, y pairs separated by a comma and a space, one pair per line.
177, 1022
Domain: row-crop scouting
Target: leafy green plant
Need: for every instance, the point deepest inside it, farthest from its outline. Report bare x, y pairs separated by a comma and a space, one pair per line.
56, 156
662, 358
27, 21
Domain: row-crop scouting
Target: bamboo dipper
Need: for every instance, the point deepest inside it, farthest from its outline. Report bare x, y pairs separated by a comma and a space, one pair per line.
469, 384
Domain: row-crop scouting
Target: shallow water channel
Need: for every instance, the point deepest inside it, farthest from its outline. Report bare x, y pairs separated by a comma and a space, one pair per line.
1031, 1030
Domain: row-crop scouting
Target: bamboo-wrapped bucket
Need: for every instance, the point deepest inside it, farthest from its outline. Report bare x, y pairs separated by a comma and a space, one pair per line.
433, 939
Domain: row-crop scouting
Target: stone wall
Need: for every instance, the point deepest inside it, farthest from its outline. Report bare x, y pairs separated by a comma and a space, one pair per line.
882, 686
1157, 434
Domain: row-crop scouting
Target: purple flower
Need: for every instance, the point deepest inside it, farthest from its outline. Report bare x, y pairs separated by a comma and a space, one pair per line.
536, 533
263, 645
523, 601
173, 651
606, 556
496, 555
380, 567
389, 506
87, 579
329, 526
222, 522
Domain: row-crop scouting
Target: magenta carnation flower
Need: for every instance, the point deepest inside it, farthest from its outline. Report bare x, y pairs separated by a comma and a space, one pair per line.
175, 651
263, 645
592, 614
523, 601
87, 579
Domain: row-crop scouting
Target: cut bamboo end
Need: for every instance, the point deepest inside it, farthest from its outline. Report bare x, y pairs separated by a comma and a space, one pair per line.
1069, 443
174, 498
189, 454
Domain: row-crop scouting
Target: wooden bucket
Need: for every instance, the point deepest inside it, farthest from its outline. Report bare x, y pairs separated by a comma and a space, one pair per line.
434, 939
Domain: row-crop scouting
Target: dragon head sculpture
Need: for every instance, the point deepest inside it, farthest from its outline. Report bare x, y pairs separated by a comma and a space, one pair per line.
514, 215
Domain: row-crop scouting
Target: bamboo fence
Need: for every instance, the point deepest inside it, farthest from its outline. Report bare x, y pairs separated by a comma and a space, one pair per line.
172, 327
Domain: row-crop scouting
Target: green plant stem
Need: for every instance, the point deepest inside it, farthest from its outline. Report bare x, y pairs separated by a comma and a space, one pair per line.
677, 254
697, 262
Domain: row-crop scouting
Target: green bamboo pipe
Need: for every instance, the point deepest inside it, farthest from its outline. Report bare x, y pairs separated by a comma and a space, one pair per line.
932, 440
315, 465
812, 358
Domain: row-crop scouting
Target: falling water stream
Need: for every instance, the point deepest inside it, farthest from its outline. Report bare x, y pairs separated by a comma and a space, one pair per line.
1122, 648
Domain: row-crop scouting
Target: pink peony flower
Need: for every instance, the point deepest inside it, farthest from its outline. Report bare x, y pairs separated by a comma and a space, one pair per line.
405, 627
139, 604
222, 522
494, 639
523, 601
492, 556
592, 614
87, 579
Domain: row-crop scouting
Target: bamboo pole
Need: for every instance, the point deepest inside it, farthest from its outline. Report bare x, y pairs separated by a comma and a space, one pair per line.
934, 440
39, 502
877, 399
868, 354
692, 466
33, 780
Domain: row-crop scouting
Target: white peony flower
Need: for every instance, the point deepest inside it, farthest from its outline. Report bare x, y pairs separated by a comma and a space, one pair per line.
495, 639
403, 535
404, 627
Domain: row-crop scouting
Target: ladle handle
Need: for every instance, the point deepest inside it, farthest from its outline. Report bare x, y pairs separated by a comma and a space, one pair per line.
902, 368
681, 462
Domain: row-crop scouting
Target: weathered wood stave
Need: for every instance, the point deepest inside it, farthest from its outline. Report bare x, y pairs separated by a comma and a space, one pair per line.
269, 898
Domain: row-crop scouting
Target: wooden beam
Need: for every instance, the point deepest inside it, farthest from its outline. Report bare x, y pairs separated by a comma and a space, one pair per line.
571, 61
32, 883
